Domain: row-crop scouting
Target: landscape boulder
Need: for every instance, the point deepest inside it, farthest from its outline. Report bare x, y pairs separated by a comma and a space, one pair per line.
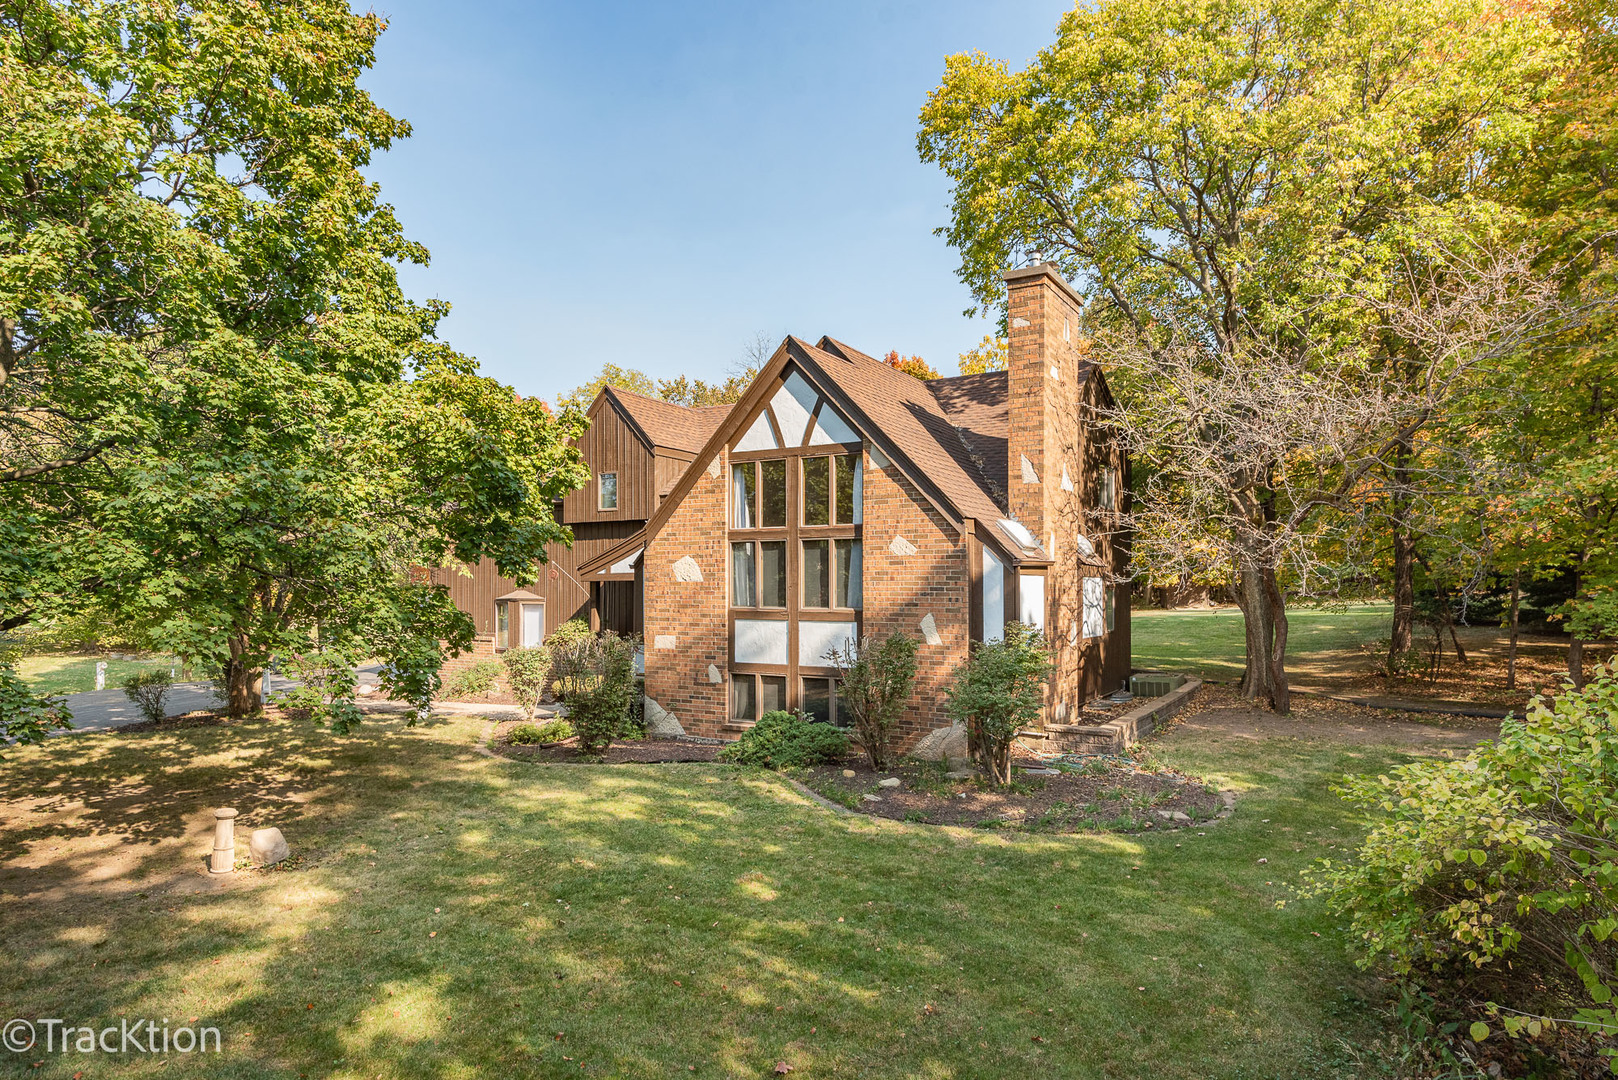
268, 847
948, 745
661, 723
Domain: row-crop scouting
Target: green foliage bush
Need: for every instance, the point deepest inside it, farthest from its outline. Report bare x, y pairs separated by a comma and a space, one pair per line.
526, 671
149, 690
479, 680
325, 690
550, 731
568, 633
873, 686
783, 740
1507, 858
999, 690
595, 675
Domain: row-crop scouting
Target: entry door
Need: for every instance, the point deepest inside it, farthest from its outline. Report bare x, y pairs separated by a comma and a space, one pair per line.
533, 625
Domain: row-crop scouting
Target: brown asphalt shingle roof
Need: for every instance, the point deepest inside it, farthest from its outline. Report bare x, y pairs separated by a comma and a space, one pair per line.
955, 447
677, 427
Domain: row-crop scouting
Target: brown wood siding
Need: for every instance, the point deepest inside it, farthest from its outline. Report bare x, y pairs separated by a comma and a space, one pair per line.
670, 467
609, 444
565, 593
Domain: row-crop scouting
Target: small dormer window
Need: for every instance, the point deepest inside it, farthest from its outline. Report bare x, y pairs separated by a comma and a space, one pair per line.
607, 491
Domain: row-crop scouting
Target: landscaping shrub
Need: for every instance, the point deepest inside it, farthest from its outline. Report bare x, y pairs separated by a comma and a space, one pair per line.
550, 731
999, 690
569, 632
595, 675
874, 682
1503, 863
149, 690
479, 680
526, 671
326, 681
783, 740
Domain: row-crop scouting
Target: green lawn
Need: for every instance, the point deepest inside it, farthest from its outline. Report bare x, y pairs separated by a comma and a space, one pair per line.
1211, 644
459, 916
67, 674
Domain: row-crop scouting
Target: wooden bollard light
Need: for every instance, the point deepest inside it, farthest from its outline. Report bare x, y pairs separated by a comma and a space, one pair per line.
224, 842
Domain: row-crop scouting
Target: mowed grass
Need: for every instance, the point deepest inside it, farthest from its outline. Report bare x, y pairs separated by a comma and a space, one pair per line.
1212, 644
67, 674
459, 916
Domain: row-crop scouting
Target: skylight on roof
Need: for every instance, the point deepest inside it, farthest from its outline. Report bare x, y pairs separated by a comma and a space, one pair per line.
1019, 532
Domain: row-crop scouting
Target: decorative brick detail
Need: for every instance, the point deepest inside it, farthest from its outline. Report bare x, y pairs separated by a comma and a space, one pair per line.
694, 613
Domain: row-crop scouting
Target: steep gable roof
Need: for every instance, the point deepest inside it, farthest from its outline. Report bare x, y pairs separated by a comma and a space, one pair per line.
947, 453
665, 424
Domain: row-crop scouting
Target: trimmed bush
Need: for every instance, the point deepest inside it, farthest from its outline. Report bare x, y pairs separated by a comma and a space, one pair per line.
999, 690
149, 690
595, 675
550, 731
1504, 863
574, 630
526, 671
479, 680
783, 740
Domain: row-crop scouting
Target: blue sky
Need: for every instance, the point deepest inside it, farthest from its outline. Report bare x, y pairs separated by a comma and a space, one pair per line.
653, 185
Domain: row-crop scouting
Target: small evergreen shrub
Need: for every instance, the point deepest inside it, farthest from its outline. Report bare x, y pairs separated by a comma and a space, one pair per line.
999, 690
595, 675
526, 671
549, 731
783, 740
149, 690
1503, 862
479, 680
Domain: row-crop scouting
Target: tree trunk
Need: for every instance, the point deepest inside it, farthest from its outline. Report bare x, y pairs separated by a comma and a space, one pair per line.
1402, 637
1575, 661
1258, 594
244, 687
1511, 657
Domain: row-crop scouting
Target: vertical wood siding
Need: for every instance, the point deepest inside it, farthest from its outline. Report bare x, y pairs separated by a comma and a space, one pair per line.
611, 445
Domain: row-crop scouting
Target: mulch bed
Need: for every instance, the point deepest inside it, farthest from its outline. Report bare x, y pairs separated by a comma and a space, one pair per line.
621, 752
1103, 794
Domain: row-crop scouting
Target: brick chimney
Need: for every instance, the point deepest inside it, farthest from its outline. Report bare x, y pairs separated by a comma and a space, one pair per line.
1043, 396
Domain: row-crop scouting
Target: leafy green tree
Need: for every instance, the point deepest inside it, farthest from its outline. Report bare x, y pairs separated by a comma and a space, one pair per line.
1555, 413
987, 355
206, 430
1234, 180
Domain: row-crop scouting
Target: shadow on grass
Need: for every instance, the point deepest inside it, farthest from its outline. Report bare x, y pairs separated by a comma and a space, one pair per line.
459, 916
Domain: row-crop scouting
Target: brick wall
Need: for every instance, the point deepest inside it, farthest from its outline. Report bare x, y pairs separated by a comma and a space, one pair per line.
1052, 424
694, 614
900, 590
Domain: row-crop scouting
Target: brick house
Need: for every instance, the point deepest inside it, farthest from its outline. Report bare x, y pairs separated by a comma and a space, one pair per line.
637, 448
840, 498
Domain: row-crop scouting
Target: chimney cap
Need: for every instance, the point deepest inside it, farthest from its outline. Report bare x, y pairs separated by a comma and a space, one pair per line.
1026, 274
